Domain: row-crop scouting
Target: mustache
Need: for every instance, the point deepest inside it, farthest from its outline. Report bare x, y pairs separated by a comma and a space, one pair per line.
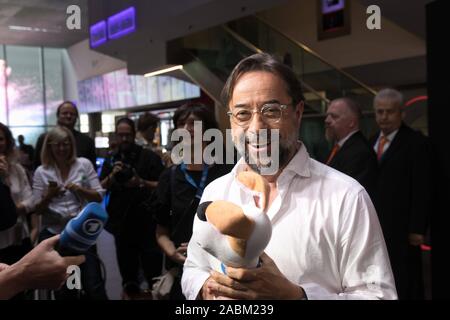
258, 137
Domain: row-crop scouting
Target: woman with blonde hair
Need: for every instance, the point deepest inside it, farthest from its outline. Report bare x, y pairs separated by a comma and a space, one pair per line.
62, 186
15, 241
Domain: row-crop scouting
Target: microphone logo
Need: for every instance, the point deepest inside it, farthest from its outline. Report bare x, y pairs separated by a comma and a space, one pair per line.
92, 226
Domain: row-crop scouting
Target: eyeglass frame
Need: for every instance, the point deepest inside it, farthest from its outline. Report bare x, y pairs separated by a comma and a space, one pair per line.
61, 143
259, 110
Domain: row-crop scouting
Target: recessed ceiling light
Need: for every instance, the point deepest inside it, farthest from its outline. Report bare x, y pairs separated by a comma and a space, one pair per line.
33, 29
155, 73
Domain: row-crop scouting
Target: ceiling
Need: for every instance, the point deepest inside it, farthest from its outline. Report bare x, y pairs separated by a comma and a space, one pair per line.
410, 15
43, 22
40, 23
402, 72
159, 21
22, 22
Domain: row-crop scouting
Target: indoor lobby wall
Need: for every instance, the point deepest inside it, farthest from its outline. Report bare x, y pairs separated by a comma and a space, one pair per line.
298, 19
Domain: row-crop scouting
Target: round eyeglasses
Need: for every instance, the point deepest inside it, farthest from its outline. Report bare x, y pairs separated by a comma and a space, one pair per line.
271, 113
63, 144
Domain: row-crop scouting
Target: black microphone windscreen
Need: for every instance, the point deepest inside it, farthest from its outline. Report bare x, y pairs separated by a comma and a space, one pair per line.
201, 210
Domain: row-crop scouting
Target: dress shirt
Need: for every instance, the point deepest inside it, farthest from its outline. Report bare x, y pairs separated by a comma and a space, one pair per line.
326, 236
390, 137
343, 140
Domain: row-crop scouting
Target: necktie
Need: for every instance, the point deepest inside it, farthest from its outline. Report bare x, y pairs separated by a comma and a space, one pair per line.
333, 153
381, 144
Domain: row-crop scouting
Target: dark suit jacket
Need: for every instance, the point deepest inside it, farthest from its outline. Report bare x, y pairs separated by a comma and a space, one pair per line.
85, 148
403, 204
404, 184
8, 215
357, 159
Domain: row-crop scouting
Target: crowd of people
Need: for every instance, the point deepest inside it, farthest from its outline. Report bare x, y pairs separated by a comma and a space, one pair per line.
363, 210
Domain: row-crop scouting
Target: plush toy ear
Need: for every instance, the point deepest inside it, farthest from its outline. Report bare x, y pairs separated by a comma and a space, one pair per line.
256, 182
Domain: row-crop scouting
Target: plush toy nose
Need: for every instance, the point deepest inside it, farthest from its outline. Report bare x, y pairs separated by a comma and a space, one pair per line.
201, 210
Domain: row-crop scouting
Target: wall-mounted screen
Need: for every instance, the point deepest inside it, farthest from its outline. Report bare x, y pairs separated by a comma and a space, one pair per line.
118, 90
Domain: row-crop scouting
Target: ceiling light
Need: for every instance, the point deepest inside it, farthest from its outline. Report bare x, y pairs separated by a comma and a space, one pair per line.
155, 73
20, 28
33, 29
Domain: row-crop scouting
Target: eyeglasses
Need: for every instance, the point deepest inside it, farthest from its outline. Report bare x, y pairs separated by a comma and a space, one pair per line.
68, 113
64, 144
270, 112
125, 135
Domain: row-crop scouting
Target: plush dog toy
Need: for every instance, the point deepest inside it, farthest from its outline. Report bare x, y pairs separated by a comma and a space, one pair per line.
236, 235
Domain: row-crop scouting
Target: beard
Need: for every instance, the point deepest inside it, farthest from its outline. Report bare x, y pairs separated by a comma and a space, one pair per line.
278, 150
124, 147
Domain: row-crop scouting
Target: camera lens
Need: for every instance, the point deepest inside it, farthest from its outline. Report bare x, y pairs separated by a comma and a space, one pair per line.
125, 174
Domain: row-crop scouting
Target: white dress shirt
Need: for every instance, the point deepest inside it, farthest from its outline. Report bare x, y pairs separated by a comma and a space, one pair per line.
21, 194
326, 236
390, 137
69, 204
343, 140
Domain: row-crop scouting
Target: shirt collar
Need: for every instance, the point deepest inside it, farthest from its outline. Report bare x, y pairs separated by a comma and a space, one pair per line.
343, 140
300, 163
390, 136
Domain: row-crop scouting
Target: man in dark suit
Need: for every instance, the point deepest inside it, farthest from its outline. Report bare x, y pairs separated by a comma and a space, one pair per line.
403, 191
67, 115
351, 153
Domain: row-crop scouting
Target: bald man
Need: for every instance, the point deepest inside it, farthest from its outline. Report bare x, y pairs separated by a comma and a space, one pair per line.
351, 153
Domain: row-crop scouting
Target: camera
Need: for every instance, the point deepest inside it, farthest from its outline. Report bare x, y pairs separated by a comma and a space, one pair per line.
128, 171
124, 175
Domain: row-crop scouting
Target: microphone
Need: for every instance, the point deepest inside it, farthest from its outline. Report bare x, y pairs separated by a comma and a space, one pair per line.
201, 210
82, 231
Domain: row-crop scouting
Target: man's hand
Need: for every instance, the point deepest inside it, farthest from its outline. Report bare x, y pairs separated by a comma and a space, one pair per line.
167, 159
206, 292
179, 255
416, 239
265, 282
117, 166
3, 266
43, 267
134, 182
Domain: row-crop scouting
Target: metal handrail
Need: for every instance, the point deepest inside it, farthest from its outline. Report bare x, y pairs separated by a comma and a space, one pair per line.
255, 49
309, 50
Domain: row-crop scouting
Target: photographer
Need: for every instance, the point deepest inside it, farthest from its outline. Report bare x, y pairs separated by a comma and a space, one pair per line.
130, 175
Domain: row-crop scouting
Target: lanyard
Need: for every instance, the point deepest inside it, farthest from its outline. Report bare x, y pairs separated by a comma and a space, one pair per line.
191, 181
